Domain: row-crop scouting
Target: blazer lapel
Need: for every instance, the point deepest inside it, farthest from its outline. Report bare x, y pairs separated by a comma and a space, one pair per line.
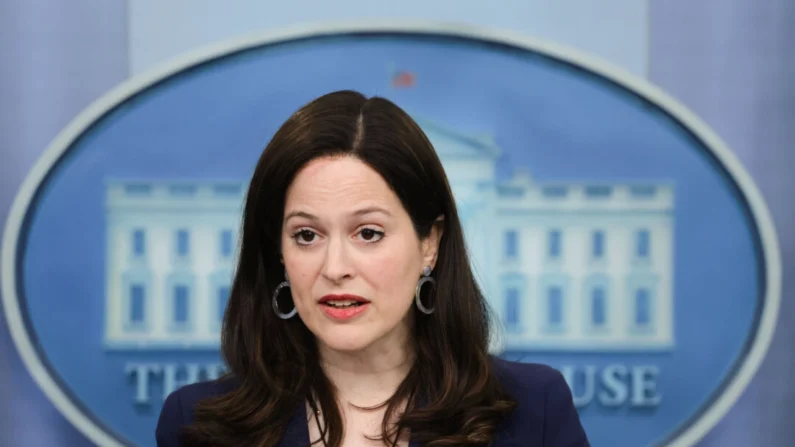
297, 433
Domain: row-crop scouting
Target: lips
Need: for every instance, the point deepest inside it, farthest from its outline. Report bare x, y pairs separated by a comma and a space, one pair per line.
342, 301
343, 307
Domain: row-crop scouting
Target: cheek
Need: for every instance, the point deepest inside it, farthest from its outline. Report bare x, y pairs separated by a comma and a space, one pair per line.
300, 274
301, 290
395, 273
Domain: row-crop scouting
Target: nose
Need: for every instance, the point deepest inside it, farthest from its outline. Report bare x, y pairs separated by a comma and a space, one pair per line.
337, 266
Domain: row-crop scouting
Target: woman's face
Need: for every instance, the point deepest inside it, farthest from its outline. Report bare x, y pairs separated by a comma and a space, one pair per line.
351, 254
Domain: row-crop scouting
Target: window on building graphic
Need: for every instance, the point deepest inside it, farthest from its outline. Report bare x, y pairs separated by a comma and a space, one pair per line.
554, 306
642, 244
183, 243
223, 297
137, 303
228, 189
555, 191
598, 244
643, 192
642, 307
511, 241
182, 190
598, 306
226, 243
554, 244
139, 242
511, 191
181, 304
598, 191
512, 311
136, 189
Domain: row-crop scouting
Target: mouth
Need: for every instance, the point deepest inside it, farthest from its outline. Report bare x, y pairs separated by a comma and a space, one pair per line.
343, 301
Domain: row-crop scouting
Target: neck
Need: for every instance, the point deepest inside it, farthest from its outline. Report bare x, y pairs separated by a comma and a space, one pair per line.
369, 377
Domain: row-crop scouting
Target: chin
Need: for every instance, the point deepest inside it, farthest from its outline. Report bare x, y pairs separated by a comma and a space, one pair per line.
349, 347
348, 339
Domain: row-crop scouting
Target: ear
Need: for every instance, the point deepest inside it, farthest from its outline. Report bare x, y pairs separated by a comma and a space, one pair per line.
430, 245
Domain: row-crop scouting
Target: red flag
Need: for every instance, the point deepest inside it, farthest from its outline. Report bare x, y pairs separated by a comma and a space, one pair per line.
403, 79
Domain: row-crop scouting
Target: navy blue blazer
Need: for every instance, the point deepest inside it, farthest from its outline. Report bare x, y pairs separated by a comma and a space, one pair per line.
545, 416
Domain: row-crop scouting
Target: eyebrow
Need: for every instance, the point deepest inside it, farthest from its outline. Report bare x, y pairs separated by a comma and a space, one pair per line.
371, 210
359, 212
299, 214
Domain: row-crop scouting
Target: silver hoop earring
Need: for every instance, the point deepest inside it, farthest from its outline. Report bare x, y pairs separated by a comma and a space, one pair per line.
279, 313
426, 278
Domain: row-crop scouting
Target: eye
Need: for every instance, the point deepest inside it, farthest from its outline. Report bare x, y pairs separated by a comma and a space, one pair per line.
370, 235
304, 236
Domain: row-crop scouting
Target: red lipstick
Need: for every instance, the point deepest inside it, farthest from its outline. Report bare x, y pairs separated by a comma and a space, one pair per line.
343, 307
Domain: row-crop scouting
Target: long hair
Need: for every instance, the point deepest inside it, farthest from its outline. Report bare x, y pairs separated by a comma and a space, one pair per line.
452, 394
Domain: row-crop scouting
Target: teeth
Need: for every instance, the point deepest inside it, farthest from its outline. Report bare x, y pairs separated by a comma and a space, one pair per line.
341, 303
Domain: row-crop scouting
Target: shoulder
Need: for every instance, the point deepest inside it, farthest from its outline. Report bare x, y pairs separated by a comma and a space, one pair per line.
178, 407
527, 379
545, 409
533, 385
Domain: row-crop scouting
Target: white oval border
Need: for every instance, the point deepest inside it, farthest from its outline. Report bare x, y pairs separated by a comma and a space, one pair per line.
706, 420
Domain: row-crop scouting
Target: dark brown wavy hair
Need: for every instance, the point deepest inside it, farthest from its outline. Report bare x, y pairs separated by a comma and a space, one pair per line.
452, 394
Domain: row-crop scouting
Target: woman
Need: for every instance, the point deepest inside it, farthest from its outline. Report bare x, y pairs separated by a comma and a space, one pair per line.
354, 317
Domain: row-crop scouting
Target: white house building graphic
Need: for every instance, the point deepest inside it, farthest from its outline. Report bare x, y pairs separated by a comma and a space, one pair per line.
170, 252
565, 266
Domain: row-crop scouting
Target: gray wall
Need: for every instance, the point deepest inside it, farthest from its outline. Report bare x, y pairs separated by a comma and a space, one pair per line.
56, 57
732, 63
